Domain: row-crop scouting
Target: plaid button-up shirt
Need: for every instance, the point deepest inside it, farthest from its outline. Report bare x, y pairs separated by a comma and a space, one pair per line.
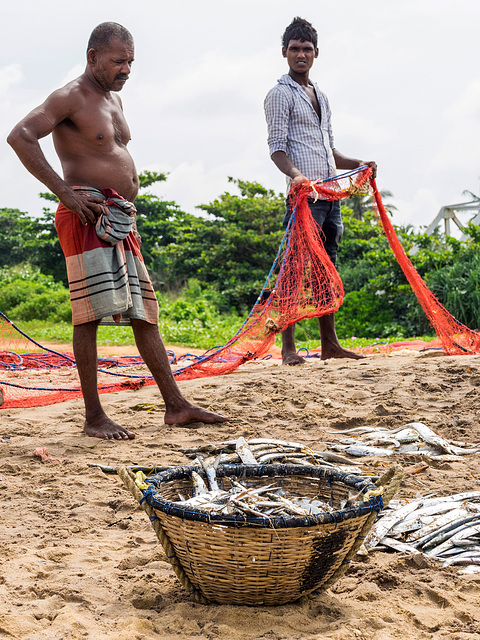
295, 128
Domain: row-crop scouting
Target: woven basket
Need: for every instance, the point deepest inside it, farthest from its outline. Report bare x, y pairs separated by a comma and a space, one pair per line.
253, 560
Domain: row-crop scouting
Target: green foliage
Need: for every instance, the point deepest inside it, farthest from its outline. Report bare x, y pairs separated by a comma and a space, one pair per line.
230, 250
380, 302
191, 319
24, 239
46, 195
146, 178
28, 294
361, 205
209, 268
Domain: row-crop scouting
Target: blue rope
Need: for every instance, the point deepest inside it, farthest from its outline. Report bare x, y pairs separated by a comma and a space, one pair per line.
343, 175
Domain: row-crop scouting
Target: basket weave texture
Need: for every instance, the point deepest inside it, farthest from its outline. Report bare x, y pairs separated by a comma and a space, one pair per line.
269, 560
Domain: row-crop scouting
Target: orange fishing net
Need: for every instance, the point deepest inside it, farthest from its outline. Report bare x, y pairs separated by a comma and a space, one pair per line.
455, 337
302, 283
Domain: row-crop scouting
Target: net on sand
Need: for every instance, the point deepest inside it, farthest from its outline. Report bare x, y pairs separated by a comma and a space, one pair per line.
302, 283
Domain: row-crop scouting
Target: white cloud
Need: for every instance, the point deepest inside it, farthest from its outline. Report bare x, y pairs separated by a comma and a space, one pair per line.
460, 143
364, 128
401, 80
74, 72
10, 77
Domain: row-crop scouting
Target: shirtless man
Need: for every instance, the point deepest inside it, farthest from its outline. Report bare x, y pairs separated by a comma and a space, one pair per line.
300, 140
90, 135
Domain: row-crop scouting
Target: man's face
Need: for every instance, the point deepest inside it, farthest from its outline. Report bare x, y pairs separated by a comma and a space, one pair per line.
111, 66
300, 55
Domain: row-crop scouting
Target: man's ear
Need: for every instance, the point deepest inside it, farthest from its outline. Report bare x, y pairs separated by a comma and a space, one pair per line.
316, 53
284, 52
92, 56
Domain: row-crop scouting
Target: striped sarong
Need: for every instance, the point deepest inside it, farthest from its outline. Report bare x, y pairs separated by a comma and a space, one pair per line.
104, 279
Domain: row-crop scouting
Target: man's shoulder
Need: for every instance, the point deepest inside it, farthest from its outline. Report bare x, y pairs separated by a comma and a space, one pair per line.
74, 91
281, 90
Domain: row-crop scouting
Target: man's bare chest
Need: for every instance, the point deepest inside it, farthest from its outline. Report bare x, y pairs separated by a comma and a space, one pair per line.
312, 96
104, 125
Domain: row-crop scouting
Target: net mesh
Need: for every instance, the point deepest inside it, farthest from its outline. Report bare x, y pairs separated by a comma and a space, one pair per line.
455, 337
302, 283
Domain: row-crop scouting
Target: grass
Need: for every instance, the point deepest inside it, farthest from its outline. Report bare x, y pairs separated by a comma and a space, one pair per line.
182, 334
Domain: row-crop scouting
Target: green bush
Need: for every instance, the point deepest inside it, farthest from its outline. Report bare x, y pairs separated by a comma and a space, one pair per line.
28, 294
53, 306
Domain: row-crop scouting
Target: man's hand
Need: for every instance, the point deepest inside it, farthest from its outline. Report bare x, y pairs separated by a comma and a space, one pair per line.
300, 179
86, 207
373, 165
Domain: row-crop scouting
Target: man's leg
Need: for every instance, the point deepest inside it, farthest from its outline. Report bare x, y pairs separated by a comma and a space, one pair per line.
177, 409
97, 423
329, 341
289, 352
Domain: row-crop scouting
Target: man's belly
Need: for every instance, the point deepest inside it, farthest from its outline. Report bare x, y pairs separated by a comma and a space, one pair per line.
116, 171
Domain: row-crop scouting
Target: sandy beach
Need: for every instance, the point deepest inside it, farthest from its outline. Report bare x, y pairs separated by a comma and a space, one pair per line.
81, 560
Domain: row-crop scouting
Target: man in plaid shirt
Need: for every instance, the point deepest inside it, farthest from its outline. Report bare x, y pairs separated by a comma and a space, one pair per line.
301, 144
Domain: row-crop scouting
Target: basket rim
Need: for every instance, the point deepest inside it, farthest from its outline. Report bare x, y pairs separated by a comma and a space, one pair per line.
360, 484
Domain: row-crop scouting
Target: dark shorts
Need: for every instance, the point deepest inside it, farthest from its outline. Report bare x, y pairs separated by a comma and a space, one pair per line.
326, 214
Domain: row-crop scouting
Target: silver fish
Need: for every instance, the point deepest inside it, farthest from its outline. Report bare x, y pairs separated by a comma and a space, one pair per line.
464, 533
199, 485
468, 558
386, 522
361, 430
467, 542
211, 472
422, 534
460, 550
444, 533
399, 546
386, 440
430, 436
462, 451
245, 452
359, 451
470, 569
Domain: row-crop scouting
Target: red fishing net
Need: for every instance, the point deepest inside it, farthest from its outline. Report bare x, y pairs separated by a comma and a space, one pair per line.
302, 283
455, 337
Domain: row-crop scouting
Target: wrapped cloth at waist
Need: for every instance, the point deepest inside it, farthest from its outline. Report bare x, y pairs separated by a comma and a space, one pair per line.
106, 276
117, 217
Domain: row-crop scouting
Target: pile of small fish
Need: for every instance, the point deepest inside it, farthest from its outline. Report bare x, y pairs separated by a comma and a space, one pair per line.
412, 438
268, 451
261, 501
446, 528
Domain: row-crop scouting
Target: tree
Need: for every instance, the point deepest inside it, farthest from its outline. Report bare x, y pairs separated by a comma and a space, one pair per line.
229, 248
360, 204
25, 239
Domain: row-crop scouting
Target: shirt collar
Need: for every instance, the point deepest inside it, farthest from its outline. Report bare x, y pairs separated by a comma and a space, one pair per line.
286, 79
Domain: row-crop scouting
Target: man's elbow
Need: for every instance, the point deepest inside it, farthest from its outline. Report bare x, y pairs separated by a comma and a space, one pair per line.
18, 136
277, 155
14, 137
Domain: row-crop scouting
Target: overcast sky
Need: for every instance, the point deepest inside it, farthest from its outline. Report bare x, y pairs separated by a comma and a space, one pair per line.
402, 78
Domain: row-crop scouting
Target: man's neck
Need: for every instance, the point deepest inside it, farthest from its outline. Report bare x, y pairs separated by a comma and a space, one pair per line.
92, 82
300, 78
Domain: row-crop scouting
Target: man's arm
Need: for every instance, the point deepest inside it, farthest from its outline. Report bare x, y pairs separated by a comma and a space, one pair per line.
277, 115
286, 166
24, 139
346, 163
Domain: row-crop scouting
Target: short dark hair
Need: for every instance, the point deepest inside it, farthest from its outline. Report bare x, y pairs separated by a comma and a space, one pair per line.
105, 32
300, 29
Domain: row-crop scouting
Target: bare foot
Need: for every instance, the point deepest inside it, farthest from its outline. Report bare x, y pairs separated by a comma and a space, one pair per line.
292, 358
192, 413
103, 427
339, 352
